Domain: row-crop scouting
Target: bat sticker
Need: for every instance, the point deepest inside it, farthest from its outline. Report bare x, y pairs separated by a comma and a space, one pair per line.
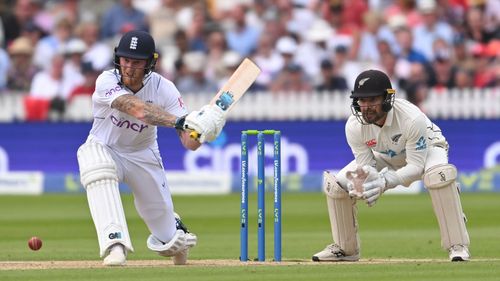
225, 100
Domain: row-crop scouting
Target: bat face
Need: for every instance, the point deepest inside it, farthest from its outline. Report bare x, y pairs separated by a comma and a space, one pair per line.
239, 82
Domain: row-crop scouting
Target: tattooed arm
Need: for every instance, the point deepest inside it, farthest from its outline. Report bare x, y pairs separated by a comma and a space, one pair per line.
153, 115
148, 113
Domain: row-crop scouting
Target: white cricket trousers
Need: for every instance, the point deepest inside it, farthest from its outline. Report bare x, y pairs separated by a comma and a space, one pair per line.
143, 173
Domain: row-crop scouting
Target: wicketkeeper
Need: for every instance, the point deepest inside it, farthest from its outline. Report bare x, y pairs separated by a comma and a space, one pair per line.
129, 103
393, 143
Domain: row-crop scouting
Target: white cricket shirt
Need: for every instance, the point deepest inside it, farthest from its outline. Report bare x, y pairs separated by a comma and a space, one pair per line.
124, 132
402, 142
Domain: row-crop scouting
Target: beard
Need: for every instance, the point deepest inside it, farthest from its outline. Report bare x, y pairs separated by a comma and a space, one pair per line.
372, 116
132, 80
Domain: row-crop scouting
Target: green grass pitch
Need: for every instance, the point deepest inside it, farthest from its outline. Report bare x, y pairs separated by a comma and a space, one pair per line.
399, 240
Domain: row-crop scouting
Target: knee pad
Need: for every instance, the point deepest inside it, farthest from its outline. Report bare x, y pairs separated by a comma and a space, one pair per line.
95, 164
332, 188
440, 176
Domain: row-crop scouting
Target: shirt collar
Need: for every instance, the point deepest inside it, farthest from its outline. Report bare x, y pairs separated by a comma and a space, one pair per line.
388, 119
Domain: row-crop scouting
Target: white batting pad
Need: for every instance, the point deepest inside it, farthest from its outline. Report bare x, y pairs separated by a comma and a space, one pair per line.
342, 212
98, 175
440, 181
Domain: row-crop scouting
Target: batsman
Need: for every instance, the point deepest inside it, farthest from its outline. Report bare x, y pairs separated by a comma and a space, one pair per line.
129, 103
394, 144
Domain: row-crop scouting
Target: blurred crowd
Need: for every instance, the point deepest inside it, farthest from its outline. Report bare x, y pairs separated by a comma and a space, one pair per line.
55, 49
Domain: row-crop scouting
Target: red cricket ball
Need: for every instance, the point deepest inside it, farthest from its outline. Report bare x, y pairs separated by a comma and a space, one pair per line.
35, 243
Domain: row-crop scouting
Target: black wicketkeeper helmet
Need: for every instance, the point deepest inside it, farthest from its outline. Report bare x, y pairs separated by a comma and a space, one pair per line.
372, 83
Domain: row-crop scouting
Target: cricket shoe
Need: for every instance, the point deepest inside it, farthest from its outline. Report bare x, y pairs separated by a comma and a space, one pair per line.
333, 252
459, 253
181, 257
117, 256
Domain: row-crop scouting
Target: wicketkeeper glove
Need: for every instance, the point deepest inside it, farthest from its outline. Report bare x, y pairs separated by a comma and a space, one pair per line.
377, 183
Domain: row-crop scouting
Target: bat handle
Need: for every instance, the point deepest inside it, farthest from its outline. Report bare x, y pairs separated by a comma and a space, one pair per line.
194, 135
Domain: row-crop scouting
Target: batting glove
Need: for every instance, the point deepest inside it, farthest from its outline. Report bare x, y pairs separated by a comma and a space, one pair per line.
208, 122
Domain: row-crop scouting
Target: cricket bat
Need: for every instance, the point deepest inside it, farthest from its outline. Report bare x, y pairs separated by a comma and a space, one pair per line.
237, 85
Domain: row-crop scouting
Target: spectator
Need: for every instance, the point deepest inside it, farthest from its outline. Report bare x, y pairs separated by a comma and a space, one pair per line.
48, 46
313, 48
287, 47
51, 85
430, 29
122, 17
463, 79
491, 10
230, 62
495, 80
217, 47
97, 52
331, 81
73, 53
4, 68
33, 32
388, 32
291, 79
365, 43
181, 42
462, 58
344, 14
48, 83
475, 26
13, 22
406, 43
408, 55
344, 29
195, 82
268, 59
346, 68
388, 63
275, 29
162, 22
69, 9
493, 52
406, 9
195, 31
485, 71
242, 38
444, 70
87, 87
419, 74
353, 11
21, 71
416, 93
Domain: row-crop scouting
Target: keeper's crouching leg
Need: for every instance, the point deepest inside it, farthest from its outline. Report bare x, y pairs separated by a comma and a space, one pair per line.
444, 192
99, 177
343, 221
